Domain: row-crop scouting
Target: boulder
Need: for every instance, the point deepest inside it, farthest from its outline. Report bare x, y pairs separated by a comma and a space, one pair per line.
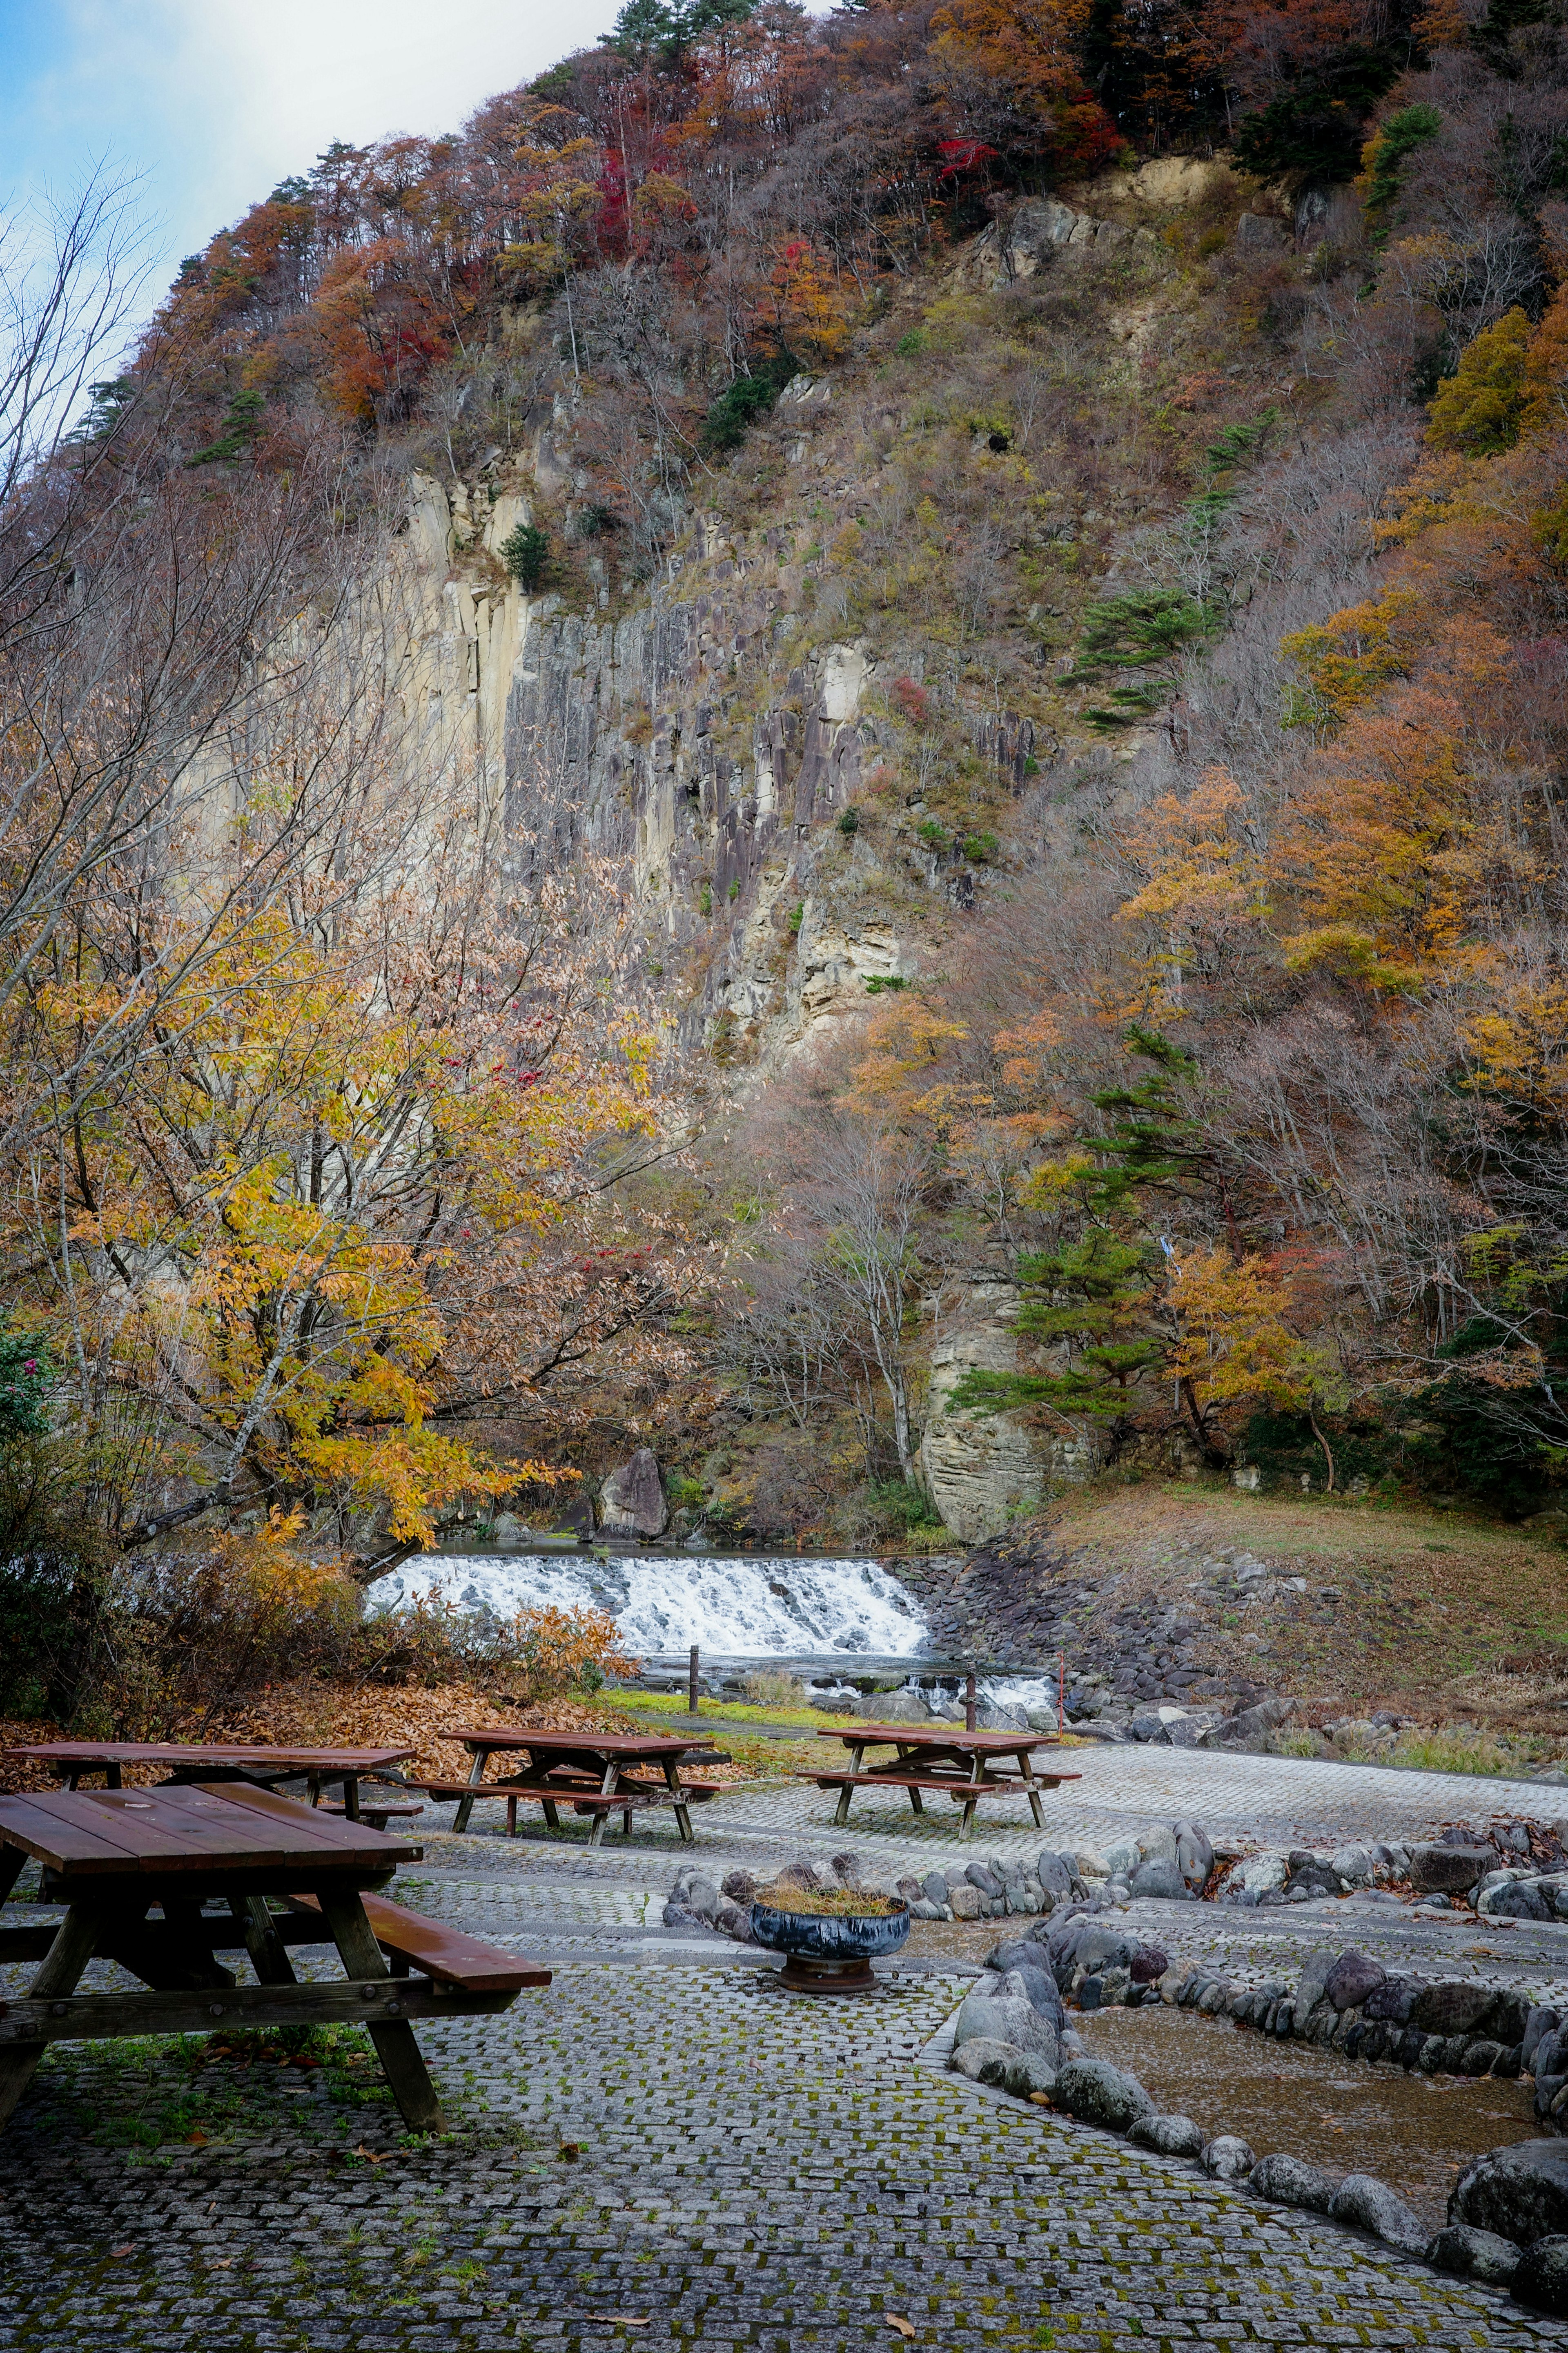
632, 1503
1447, 1870
1540, 2022
1542, 2279
967, 1902
1030, 2073
1194, 1855
1054, 1876
1353, 1864
1523, 1899
1227, 2158
1096, 2092
985, 2060
1520, 2192
1260, 1873
1390, 2001
1450, 2008
1148, 1965
1172, 2136
1351, 1978
1163, 1880
1505, 2016
1290, 2181
740, 1886
1017, 1957
1006, 2018
1372, 2206
1473, 2254
934, 1887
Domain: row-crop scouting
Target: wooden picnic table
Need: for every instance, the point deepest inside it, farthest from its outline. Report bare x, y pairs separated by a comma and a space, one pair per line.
264, 1764
592, 1772
138, 1870
959, 1762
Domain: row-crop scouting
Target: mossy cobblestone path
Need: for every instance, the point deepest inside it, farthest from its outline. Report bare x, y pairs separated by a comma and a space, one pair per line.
666, 2135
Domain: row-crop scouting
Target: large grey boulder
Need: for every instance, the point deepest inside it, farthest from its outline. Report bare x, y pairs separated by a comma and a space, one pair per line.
1007, 2018
1291, 2181
1172, 2136
633, 1501
1447, 1870
1521, 2192
1096, 2092
1016, 1956
1542, 2279
1029, 2074
1054, 1876
985, 2060
1450, 2008
1227, 2158
1162, 1879
1467, 2254
1372, 2205
1354, 1977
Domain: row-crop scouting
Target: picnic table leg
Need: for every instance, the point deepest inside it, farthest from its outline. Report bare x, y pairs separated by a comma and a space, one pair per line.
682, 1812
1035, 1806
976, 1782
552, 1817
76, 1940
841, 1812
314, 1788
268, 1953
113, 1778
466, 1805
606, 1789
400, 2057
12, 1861
511, 1818
351, 1797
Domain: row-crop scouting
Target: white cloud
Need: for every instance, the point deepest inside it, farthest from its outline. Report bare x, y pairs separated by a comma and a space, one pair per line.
215, 100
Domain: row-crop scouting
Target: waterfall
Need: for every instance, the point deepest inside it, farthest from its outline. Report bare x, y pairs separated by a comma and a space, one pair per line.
753, 1608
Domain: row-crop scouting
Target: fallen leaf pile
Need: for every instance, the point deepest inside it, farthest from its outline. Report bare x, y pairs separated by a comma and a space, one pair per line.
345, 1715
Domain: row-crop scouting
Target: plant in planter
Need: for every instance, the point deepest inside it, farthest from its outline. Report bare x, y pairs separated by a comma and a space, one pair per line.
829, 1935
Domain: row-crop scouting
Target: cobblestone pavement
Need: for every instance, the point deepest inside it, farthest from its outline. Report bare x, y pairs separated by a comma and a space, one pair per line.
752, 2169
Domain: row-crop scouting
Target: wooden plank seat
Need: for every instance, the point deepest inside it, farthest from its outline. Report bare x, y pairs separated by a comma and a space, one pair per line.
1001, 1785
583, 1794
372, 1811
410, 1940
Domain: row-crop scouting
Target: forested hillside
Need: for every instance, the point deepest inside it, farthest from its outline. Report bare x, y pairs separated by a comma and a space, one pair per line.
836, 746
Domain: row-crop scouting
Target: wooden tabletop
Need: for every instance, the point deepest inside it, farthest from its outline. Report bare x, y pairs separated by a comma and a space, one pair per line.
87, 1753
592, 1744
214, 1831
939, 1736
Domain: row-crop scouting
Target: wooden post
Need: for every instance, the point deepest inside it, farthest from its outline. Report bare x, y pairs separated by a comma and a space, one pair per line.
691, 1682
969, 1702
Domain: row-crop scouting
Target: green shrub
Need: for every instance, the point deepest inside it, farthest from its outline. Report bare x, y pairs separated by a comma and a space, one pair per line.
525, 552
906, 1506
748, 397
979, 848
849, 821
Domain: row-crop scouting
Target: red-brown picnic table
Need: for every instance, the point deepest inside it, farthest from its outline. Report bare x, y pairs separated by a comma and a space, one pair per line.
139, 1869
959, 1762
263, 1763
586, 1770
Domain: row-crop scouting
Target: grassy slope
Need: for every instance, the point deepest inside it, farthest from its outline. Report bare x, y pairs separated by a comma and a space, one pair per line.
1438, 1615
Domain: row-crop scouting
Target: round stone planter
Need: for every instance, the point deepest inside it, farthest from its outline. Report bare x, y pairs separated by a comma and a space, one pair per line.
829, 1952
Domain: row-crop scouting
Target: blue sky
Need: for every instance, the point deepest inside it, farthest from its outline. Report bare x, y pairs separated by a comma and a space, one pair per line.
211, 102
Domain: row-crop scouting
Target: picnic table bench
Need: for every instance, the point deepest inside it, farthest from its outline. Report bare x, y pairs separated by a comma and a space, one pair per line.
958, 1763
138, 1870
584, 1770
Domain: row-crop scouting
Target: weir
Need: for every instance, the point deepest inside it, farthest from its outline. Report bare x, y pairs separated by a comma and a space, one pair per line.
751, 1607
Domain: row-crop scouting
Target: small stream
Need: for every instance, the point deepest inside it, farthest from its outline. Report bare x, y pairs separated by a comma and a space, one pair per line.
1417, 2133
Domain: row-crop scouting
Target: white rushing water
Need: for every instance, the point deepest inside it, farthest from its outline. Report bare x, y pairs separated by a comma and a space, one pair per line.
762, 1608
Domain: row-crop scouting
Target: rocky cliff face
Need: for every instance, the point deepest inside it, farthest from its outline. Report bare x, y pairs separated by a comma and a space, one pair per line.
707, 745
